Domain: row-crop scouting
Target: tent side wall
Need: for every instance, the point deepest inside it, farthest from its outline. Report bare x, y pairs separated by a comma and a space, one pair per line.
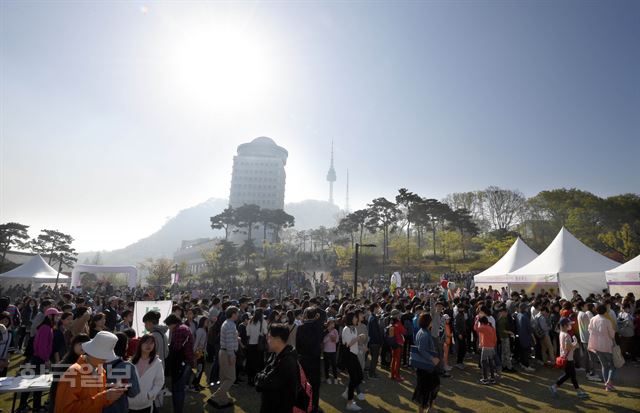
584, 283
624, 283
494, 285
533, 287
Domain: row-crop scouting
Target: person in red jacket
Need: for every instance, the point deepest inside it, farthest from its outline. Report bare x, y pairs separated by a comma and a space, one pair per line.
397, 331
487, 339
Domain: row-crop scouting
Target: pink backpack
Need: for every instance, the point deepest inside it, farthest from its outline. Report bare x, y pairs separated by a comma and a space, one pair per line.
304, 400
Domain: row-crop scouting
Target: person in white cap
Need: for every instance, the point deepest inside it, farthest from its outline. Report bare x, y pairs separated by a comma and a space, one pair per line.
83, 388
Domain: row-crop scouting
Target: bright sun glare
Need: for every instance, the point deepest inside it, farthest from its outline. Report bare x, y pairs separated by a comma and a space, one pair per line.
220, 65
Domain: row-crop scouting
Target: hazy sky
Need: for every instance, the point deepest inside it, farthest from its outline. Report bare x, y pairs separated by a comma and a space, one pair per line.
117, 114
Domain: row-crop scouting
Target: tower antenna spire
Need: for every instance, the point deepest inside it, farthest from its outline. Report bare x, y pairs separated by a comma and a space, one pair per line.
331, 176
346, 204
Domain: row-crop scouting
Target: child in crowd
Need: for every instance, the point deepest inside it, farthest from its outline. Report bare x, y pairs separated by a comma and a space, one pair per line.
487, 339
329, 348
568, 344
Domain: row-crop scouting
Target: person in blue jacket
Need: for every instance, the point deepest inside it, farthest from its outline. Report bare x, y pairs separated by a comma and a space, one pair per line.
424, 359
525, 337
119, 370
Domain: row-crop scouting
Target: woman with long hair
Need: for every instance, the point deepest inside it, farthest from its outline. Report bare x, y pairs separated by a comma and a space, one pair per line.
423, 358
255, 355
97, 324
351, 339
199, 346
75, 351
293, 327
150, 375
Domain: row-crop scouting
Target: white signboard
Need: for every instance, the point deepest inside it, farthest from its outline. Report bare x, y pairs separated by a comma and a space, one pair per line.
143, 307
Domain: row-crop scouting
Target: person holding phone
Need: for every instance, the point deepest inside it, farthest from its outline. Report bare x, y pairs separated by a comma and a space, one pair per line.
123, 374
83, 388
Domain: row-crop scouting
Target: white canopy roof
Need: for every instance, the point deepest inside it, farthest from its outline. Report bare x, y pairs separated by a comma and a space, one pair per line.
570, 263
36, 269
627, 272
516, 257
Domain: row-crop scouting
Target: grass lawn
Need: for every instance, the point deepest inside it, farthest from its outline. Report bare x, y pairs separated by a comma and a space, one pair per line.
518, 392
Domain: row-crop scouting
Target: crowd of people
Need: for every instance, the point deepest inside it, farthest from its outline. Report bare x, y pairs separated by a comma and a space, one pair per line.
288, 344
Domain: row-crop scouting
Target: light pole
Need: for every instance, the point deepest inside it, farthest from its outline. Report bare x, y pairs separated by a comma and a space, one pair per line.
355, 271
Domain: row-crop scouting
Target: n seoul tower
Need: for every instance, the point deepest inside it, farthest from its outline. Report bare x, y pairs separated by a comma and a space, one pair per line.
331, 176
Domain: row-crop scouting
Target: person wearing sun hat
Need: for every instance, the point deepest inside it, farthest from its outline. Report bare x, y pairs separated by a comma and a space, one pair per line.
83, 388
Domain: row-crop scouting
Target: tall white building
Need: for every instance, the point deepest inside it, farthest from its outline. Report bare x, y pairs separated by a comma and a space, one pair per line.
258, 175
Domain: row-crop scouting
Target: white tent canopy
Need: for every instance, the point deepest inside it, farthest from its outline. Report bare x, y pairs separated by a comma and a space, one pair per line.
35, 270
625, 278
567, 264
516, 257
126, 269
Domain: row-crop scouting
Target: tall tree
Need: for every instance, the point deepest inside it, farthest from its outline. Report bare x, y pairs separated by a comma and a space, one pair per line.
281, 220
503, 207
407, 200
348, 226
383, 215
66, 255
224, 220
247, 216
462, 221
50, 241
435, 213
12, 235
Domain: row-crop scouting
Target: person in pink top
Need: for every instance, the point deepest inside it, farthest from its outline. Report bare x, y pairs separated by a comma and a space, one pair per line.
42, 351
601, 339
329, 348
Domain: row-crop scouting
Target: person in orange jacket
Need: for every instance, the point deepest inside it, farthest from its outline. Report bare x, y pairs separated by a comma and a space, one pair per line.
83, 387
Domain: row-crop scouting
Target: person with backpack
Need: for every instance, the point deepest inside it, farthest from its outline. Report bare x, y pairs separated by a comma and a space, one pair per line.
180, 360
279, 382
121, 372
151, 322
309, 349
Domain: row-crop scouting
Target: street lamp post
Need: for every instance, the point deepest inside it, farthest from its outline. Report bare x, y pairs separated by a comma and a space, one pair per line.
355, 271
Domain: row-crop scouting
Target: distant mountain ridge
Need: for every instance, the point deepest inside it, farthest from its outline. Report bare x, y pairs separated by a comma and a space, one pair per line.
193, 222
